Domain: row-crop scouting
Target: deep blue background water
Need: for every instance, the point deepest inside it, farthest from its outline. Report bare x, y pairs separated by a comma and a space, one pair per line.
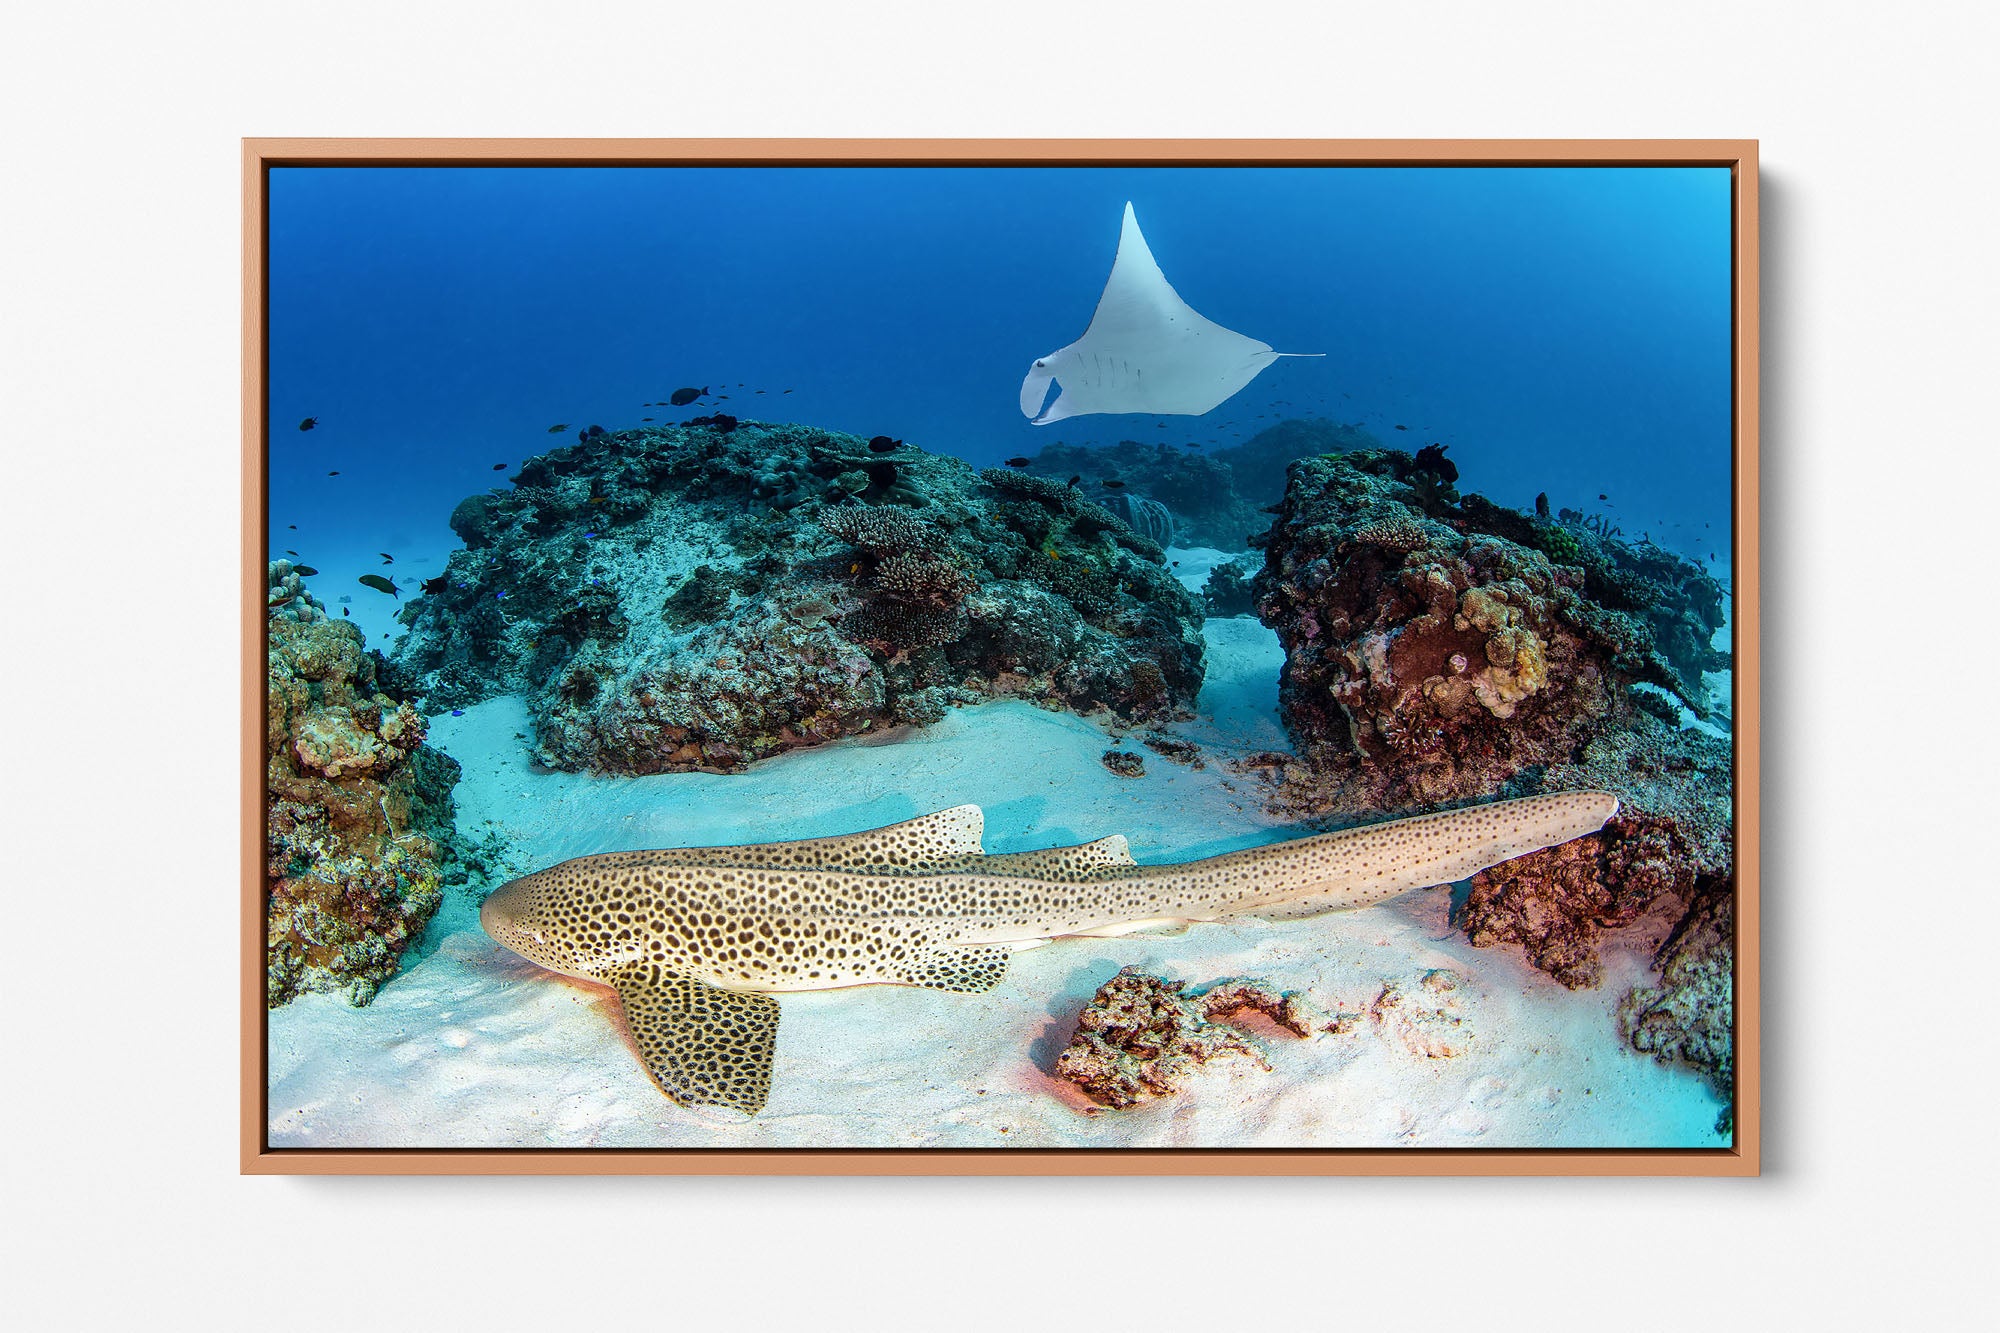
1562, 329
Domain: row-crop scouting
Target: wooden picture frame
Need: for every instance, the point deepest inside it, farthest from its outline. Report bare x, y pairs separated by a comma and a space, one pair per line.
1738, 157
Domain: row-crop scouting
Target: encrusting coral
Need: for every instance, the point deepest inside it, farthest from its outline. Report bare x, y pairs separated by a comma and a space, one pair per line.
1142, 1036
358, 817
694, 597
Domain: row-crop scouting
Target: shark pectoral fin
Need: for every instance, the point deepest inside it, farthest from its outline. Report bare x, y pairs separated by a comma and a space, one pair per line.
974, 968
703, 1046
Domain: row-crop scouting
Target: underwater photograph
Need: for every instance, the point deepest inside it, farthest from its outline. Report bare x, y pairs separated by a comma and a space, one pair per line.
999, 657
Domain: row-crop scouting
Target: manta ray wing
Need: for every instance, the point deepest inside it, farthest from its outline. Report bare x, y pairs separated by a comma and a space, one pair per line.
1146, 350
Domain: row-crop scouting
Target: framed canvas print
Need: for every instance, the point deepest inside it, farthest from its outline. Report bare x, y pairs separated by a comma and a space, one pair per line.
812, 656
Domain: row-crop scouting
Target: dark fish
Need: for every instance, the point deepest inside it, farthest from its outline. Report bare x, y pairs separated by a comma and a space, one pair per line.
1074, 480
306, 571
594, 432
1399, 425
788, 391
722, 398
645, 418
290, 551
882, 444
1017, 462
432, 587
682, 397
343, 610
1542, 505
295, 527
308, 423
333, 474
1431, 459
1112, 484
559, 428
582, 434
379, 584
760, 391
1605, 498
499, 467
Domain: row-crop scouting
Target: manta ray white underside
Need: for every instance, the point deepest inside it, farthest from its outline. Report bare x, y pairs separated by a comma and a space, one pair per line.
1146, 350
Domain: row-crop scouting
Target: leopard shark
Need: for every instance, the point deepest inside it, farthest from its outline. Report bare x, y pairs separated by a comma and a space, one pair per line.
698, 941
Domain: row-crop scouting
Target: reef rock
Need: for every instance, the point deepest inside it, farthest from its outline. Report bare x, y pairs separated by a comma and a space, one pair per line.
695, 597
1441, 649
358, 817
1690, 1016
1143, 1037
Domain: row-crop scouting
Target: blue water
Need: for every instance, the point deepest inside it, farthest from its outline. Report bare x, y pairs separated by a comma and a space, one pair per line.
1561, 329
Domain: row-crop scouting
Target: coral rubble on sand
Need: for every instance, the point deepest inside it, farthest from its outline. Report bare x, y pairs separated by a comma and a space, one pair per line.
1441, 649
358, 818
694, 598
1143, 1037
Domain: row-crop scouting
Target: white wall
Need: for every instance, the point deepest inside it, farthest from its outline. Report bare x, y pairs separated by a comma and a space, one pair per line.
117, 918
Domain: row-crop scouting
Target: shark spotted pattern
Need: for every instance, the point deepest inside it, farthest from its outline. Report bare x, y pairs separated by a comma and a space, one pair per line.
696, 940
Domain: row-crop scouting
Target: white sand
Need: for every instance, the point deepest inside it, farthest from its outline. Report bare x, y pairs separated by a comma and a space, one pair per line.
472, 1046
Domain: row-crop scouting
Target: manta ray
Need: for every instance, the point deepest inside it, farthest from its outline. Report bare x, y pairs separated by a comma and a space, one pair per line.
1146, 350
696, 941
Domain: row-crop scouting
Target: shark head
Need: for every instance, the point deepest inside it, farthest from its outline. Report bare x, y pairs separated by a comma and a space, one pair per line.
528, 916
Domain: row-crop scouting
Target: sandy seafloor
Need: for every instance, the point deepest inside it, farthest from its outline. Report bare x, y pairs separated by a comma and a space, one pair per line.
471, 1046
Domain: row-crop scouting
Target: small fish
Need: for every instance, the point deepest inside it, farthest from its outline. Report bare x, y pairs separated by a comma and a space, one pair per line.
882, 444
1017, 462
1112, 484
499, 467
379, 584
432, 587
1399, 425
333, 474
788, 391
590, 536
295, 527
290, 551
304, 571
500, 596
387, 559
1073, 481
1604, 497
593, 432
346, 597
722, 398
559, 428
596, 500
308, 423
682, 397
760, 391
458, 712
645, 418
854, 568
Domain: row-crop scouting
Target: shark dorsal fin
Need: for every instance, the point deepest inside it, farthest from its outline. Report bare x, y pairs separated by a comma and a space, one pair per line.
1063, 862
943, 838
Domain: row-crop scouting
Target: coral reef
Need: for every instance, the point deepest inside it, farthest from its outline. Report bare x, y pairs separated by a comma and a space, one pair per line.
1228, 592
1431, 660
358, 817
1690, 1016
1124, 763
702, 596
1441, 649
1143, 1037
1556, 902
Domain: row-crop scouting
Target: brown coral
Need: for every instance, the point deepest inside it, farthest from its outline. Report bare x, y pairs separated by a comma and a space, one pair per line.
1142, 1037
1556, 902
